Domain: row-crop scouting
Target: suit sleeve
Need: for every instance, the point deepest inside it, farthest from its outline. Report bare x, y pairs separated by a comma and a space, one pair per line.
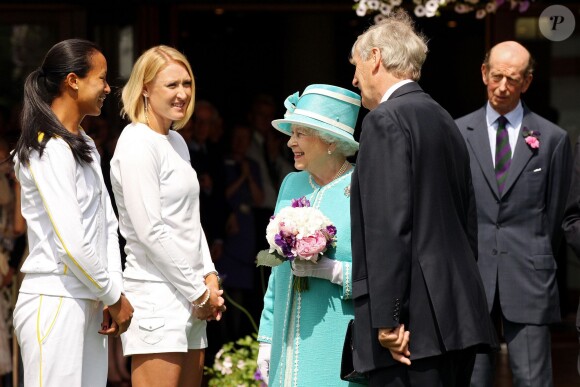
560, 170
571, 223
265, 332
471, 227
384, 164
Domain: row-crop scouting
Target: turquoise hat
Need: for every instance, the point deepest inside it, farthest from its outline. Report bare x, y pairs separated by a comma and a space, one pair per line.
330, 109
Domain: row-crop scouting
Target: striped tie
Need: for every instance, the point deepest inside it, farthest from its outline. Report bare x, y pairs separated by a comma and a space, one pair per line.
503, 153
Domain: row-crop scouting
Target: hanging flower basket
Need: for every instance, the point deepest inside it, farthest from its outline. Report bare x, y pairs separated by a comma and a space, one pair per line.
430, 8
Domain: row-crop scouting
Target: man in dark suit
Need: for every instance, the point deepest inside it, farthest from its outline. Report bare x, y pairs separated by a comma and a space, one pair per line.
520, 165
571, 224
420, 309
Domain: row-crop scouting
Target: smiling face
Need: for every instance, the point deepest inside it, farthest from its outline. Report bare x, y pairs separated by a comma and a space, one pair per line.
310, 151
169, 94
93, 88
505, 76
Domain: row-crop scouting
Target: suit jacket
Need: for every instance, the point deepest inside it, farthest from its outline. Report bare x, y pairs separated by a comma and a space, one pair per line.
414, 233
520, 230
571, 223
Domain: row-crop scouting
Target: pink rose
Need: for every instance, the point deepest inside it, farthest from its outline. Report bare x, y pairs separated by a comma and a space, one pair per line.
532, 142
309, 247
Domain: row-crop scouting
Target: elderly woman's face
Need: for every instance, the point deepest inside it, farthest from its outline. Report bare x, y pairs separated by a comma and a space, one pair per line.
310, 152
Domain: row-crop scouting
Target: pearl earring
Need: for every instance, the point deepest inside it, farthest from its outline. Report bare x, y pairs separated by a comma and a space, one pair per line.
329, 152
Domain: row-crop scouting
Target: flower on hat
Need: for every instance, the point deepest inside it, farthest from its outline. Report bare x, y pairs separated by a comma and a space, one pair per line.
531, 138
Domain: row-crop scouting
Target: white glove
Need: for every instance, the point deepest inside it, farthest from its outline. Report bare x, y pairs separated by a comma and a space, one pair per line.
325, 268
264, 361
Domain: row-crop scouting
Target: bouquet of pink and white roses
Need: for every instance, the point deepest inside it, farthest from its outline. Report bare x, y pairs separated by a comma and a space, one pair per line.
297, 232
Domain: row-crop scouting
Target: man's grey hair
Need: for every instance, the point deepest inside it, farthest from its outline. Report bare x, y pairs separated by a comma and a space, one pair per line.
403, 50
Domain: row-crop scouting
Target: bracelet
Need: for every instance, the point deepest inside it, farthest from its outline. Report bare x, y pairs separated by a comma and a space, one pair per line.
202, 304
219, 279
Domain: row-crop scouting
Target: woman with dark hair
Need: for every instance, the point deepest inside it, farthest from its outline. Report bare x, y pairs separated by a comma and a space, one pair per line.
72, 288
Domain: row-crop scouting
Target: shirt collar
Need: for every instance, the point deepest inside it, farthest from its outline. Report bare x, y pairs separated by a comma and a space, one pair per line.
514, 117
392, 89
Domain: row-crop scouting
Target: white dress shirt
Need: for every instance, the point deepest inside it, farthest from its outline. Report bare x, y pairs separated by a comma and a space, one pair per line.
514, 118
392, 89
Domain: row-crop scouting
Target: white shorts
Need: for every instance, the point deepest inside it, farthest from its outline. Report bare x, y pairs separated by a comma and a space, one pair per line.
162, 320
59, 341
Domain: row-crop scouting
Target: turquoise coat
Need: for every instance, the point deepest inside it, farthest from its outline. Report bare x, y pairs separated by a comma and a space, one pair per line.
307, 329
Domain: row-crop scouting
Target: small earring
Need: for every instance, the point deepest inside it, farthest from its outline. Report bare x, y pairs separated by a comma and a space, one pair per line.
329, 152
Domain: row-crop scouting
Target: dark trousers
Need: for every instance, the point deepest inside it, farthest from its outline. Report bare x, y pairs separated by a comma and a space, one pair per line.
452, 369
578, 332
529, 352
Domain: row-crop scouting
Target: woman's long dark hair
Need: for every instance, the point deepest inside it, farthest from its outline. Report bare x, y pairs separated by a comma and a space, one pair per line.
42, 86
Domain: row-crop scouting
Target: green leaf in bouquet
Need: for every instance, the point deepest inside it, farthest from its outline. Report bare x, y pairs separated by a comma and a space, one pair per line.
266, 258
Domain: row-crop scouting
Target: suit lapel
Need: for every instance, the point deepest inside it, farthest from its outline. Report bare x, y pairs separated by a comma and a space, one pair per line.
478, 140
522, 154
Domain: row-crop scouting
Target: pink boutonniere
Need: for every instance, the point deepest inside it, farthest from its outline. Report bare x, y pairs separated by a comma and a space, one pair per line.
531, 138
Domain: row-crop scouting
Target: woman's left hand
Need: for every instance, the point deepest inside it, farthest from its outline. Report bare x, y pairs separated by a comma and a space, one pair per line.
325, 268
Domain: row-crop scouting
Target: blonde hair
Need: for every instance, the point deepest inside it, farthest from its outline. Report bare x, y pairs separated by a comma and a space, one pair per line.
403, 50
149, 64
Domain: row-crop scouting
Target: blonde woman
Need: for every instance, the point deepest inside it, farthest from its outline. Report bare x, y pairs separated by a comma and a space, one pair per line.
169, 274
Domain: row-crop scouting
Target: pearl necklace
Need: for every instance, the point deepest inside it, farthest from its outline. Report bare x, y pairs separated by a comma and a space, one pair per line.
318, 192
342, 169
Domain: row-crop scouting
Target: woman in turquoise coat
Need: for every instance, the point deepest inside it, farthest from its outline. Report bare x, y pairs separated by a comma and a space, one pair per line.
301, 332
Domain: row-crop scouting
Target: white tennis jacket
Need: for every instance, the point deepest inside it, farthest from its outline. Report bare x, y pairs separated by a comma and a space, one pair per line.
72, 229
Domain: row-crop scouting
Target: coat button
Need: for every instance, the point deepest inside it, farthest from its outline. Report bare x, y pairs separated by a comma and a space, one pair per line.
494, 252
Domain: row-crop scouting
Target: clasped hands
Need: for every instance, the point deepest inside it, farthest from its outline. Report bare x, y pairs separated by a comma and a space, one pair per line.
215, 305
396, 340
117, 317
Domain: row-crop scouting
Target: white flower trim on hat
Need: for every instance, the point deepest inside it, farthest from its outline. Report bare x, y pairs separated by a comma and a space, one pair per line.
332, 94
324, 119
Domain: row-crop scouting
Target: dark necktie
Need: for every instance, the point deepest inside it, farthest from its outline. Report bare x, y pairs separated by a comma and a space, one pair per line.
503, 153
